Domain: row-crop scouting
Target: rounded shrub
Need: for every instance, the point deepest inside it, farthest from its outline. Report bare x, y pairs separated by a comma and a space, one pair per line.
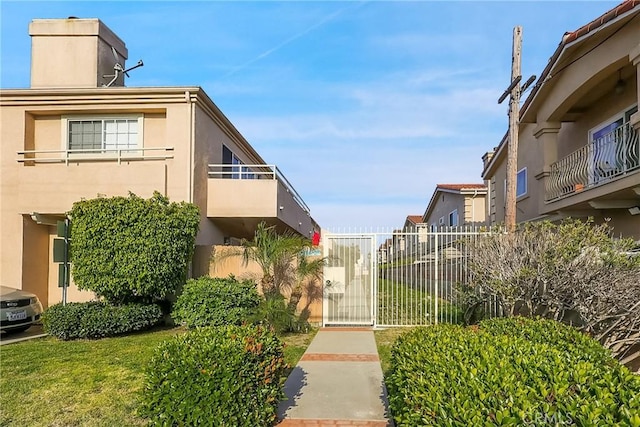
208, 301
497, 374
99, 319
232, 375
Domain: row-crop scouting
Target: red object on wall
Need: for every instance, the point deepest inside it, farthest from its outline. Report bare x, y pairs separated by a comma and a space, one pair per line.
315, 240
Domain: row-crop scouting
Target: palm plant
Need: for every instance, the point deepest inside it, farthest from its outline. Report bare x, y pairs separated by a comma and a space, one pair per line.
275, 254
285, 267
306, 270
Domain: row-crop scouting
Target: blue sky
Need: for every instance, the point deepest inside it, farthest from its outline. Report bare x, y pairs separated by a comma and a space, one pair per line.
364, 106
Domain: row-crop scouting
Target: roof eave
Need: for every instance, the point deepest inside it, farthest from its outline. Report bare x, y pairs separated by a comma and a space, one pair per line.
569, 41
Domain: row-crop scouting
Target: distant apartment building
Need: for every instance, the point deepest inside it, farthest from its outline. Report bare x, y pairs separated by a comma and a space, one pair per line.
77, 132
415, 235
456, 205
579, 151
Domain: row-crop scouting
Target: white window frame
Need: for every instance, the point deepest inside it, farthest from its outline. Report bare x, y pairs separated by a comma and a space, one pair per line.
522, 171
457, 221
95, 117
441, 220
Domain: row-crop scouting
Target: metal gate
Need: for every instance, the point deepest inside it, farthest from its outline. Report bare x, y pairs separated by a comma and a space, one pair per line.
399, 278
349, 280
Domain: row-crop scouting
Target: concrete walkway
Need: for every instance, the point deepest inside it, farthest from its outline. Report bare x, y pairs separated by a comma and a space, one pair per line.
337, 382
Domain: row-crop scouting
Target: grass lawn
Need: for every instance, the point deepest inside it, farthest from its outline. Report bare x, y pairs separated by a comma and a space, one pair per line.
400, 304
47, 382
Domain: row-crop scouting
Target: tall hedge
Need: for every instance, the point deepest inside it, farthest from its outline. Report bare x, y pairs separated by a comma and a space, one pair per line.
130, 249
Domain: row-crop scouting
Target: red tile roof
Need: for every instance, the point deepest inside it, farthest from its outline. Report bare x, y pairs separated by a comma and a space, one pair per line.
416, 219
459, 187
623, 7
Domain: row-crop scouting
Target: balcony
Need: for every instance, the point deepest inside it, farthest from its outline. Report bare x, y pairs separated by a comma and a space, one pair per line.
608, 158
239, 196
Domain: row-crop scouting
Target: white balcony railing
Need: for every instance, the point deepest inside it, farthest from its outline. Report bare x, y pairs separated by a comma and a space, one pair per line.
613, 155
95, 155
242, 171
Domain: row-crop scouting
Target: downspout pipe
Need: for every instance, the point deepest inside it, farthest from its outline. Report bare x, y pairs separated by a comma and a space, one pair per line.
192, 126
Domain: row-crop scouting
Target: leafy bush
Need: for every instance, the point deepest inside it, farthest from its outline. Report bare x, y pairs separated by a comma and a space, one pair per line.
94, 319
541, 331
128, 249
229, 373
275, 312
574, 272
504, 374
208, 301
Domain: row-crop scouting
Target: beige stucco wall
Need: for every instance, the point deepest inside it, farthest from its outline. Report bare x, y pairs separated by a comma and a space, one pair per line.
475, 210
35, 272
574, 135
445, 204
471, 209
223, 266
53, 187
243, 198
209, 138
292, 213
73, 53
599, 57
578, 98
54, 292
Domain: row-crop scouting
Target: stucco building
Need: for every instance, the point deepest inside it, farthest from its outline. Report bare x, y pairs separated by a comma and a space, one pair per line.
78, 132
578, 151
456, 205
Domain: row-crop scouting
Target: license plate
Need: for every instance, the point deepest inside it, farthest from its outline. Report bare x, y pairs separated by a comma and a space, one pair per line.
17, 315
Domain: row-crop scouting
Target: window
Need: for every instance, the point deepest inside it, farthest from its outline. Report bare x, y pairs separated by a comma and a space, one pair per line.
453, 218
237, 170
441, 220
521, 184
102, 134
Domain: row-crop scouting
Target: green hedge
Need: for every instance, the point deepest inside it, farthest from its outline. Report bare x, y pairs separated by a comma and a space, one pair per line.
130, 249
208, 301
232, 375
563, 337
99, 319
507, 373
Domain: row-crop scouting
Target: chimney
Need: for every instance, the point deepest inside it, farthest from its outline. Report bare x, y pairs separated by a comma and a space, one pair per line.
486, 158
74, 53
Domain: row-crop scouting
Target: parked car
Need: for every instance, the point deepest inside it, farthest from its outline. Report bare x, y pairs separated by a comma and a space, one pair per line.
18, 309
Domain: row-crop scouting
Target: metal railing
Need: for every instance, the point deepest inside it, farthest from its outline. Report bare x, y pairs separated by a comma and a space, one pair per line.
369, 281
257, 171
613, 155
95, 155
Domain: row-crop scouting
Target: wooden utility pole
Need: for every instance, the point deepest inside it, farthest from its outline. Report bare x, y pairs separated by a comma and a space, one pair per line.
514, 125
